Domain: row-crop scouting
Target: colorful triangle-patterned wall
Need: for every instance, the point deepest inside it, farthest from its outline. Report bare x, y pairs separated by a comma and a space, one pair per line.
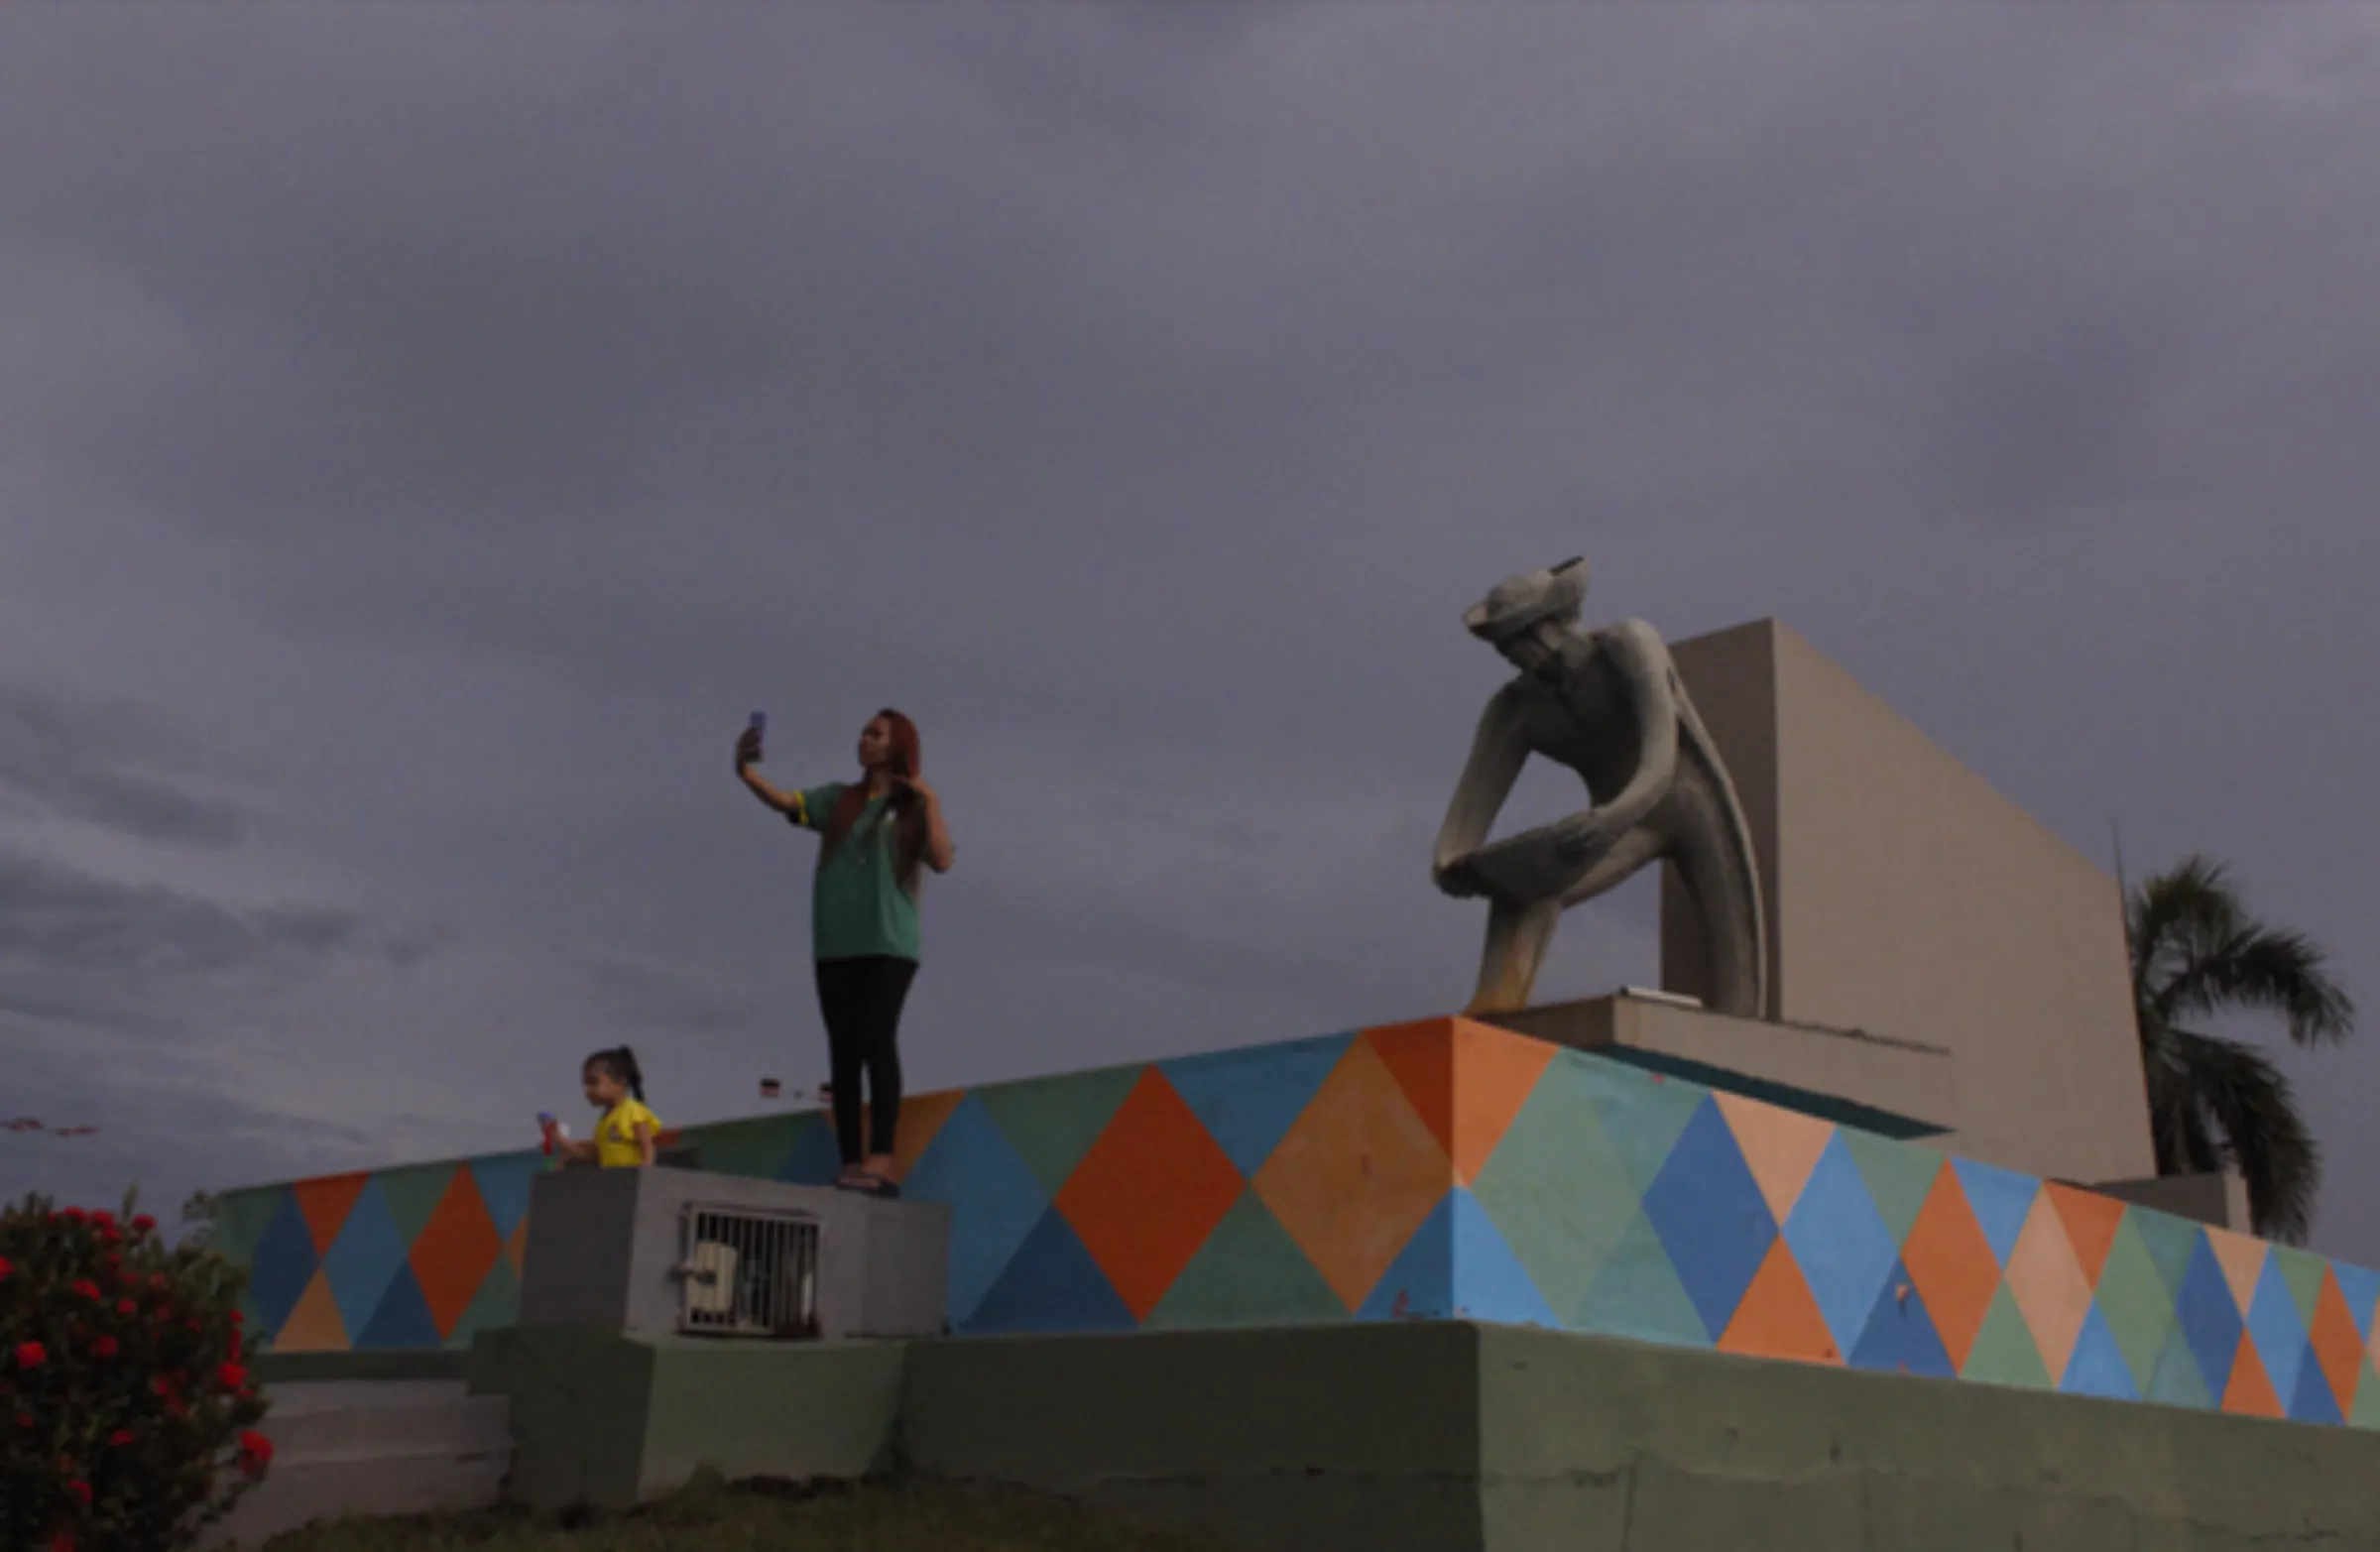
1440, 1170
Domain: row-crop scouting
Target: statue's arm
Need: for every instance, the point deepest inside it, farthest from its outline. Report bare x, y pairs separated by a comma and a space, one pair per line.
1644, 672
1497, 751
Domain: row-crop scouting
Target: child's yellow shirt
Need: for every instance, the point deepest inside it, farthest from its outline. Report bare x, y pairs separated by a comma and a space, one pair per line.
616, 1134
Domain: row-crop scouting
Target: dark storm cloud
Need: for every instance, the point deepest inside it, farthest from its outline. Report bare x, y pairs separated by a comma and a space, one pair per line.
468, 415
83, 761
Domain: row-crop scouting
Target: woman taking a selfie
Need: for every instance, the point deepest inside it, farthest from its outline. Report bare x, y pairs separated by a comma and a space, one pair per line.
875, 836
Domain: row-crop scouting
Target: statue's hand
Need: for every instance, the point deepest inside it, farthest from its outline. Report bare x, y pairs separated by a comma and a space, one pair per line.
1460, 878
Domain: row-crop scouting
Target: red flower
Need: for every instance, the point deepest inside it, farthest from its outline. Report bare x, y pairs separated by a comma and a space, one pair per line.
256, 1453
143, 1225
104, 1220
156, 1280
103, 1347
72, 1215
3, 1266
30, 1355
80, 1491
85, 1288
231, 1376
237, 1318
127, 1307
110, 1235
121, 1436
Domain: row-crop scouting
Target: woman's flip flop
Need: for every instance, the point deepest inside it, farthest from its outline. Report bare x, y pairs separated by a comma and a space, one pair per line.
869, 1183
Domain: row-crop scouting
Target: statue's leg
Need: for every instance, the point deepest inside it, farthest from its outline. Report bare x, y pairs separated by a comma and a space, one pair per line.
1727, 901
1517, 935
1517, 939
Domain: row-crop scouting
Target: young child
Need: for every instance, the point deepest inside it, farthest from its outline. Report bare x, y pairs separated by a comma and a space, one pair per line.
625, 1139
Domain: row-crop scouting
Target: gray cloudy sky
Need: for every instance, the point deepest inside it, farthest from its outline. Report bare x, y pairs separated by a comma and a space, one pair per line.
426, 432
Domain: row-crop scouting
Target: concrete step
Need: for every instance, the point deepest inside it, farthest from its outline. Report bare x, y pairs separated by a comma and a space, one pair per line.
372, 1447
396, 1418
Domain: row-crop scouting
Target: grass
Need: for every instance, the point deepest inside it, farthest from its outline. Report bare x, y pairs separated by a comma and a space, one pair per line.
713, 1516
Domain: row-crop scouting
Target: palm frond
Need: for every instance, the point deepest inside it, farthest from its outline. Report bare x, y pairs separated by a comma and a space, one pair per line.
2193, 901
2237, 1091
2263, 967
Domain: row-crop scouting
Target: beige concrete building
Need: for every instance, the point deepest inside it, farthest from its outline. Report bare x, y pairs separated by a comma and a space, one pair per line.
1933, 951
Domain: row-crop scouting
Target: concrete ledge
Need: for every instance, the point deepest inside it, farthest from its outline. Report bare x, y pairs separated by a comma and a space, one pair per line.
410, 1364
1442, 1436
1893, 1087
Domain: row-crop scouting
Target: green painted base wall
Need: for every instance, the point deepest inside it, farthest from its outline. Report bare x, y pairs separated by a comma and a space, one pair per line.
1443, 1437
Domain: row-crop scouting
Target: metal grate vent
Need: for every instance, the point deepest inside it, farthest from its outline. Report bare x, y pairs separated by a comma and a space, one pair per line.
744, 1274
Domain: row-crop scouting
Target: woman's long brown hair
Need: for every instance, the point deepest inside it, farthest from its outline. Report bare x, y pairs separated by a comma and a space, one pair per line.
909, 820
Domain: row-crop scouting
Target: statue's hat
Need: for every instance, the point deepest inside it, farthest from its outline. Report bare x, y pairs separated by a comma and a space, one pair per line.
1518, 603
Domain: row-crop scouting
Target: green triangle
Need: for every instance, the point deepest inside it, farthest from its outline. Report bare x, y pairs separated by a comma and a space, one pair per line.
1642, 1113
2005, 1353
1555, 1187
752, 1147
496, 1305
2134, 1302
2302, 1271
2175, 1380
1899, 1177
1051, 1123
1248, 1272
413, 1194
1638, 1294
240, 1219
2170, 1241
2367, 1399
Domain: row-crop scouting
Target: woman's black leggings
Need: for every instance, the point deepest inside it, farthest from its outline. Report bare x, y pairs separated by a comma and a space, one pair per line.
861, 1000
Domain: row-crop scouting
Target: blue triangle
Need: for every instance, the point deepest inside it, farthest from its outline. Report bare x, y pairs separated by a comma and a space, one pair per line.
2210, 1318
1051, 1283
2175, 1380
2096, 1366
1711, 1216
2278, 1329
403, 1319
1248, 1099
1840, 1242
997, 1201
1420, 1284
2001, 1199
2361, 1288
815, 1158
363, 1257
2314, 1402
281, 1264
1899, 1337
503, 1182
1490, 1281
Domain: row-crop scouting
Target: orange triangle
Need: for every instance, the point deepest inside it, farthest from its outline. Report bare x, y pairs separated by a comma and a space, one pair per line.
1494, 1074
2251, 1392
1778, 1318
1421, 1056
325, 1204
1781, 1147
313, 1325
2090, 1222
514, 1246
2242, 1261
2336, 1347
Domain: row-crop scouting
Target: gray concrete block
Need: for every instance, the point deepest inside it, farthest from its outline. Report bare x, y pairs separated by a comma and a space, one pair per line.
608, 1251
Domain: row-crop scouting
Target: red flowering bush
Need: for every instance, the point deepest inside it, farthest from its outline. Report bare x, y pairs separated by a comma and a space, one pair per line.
127, 1418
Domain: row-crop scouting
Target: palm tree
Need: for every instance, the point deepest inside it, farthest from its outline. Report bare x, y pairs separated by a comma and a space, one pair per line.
2197, 953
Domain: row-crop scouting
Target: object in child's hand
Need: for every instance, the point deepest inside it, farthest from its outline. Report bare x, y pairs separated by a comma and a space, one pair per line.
769, 1088
553, 1129
760, 730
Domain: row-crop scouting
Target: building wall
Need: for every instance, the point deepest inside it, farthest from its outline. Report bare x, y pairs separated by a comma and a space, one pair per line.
1906, 897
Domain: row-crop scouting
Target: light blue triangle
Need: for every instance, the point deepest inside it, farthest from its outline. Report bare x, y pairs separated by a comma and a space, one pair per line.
2096, 1365
1490, 1281
2360, 1287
